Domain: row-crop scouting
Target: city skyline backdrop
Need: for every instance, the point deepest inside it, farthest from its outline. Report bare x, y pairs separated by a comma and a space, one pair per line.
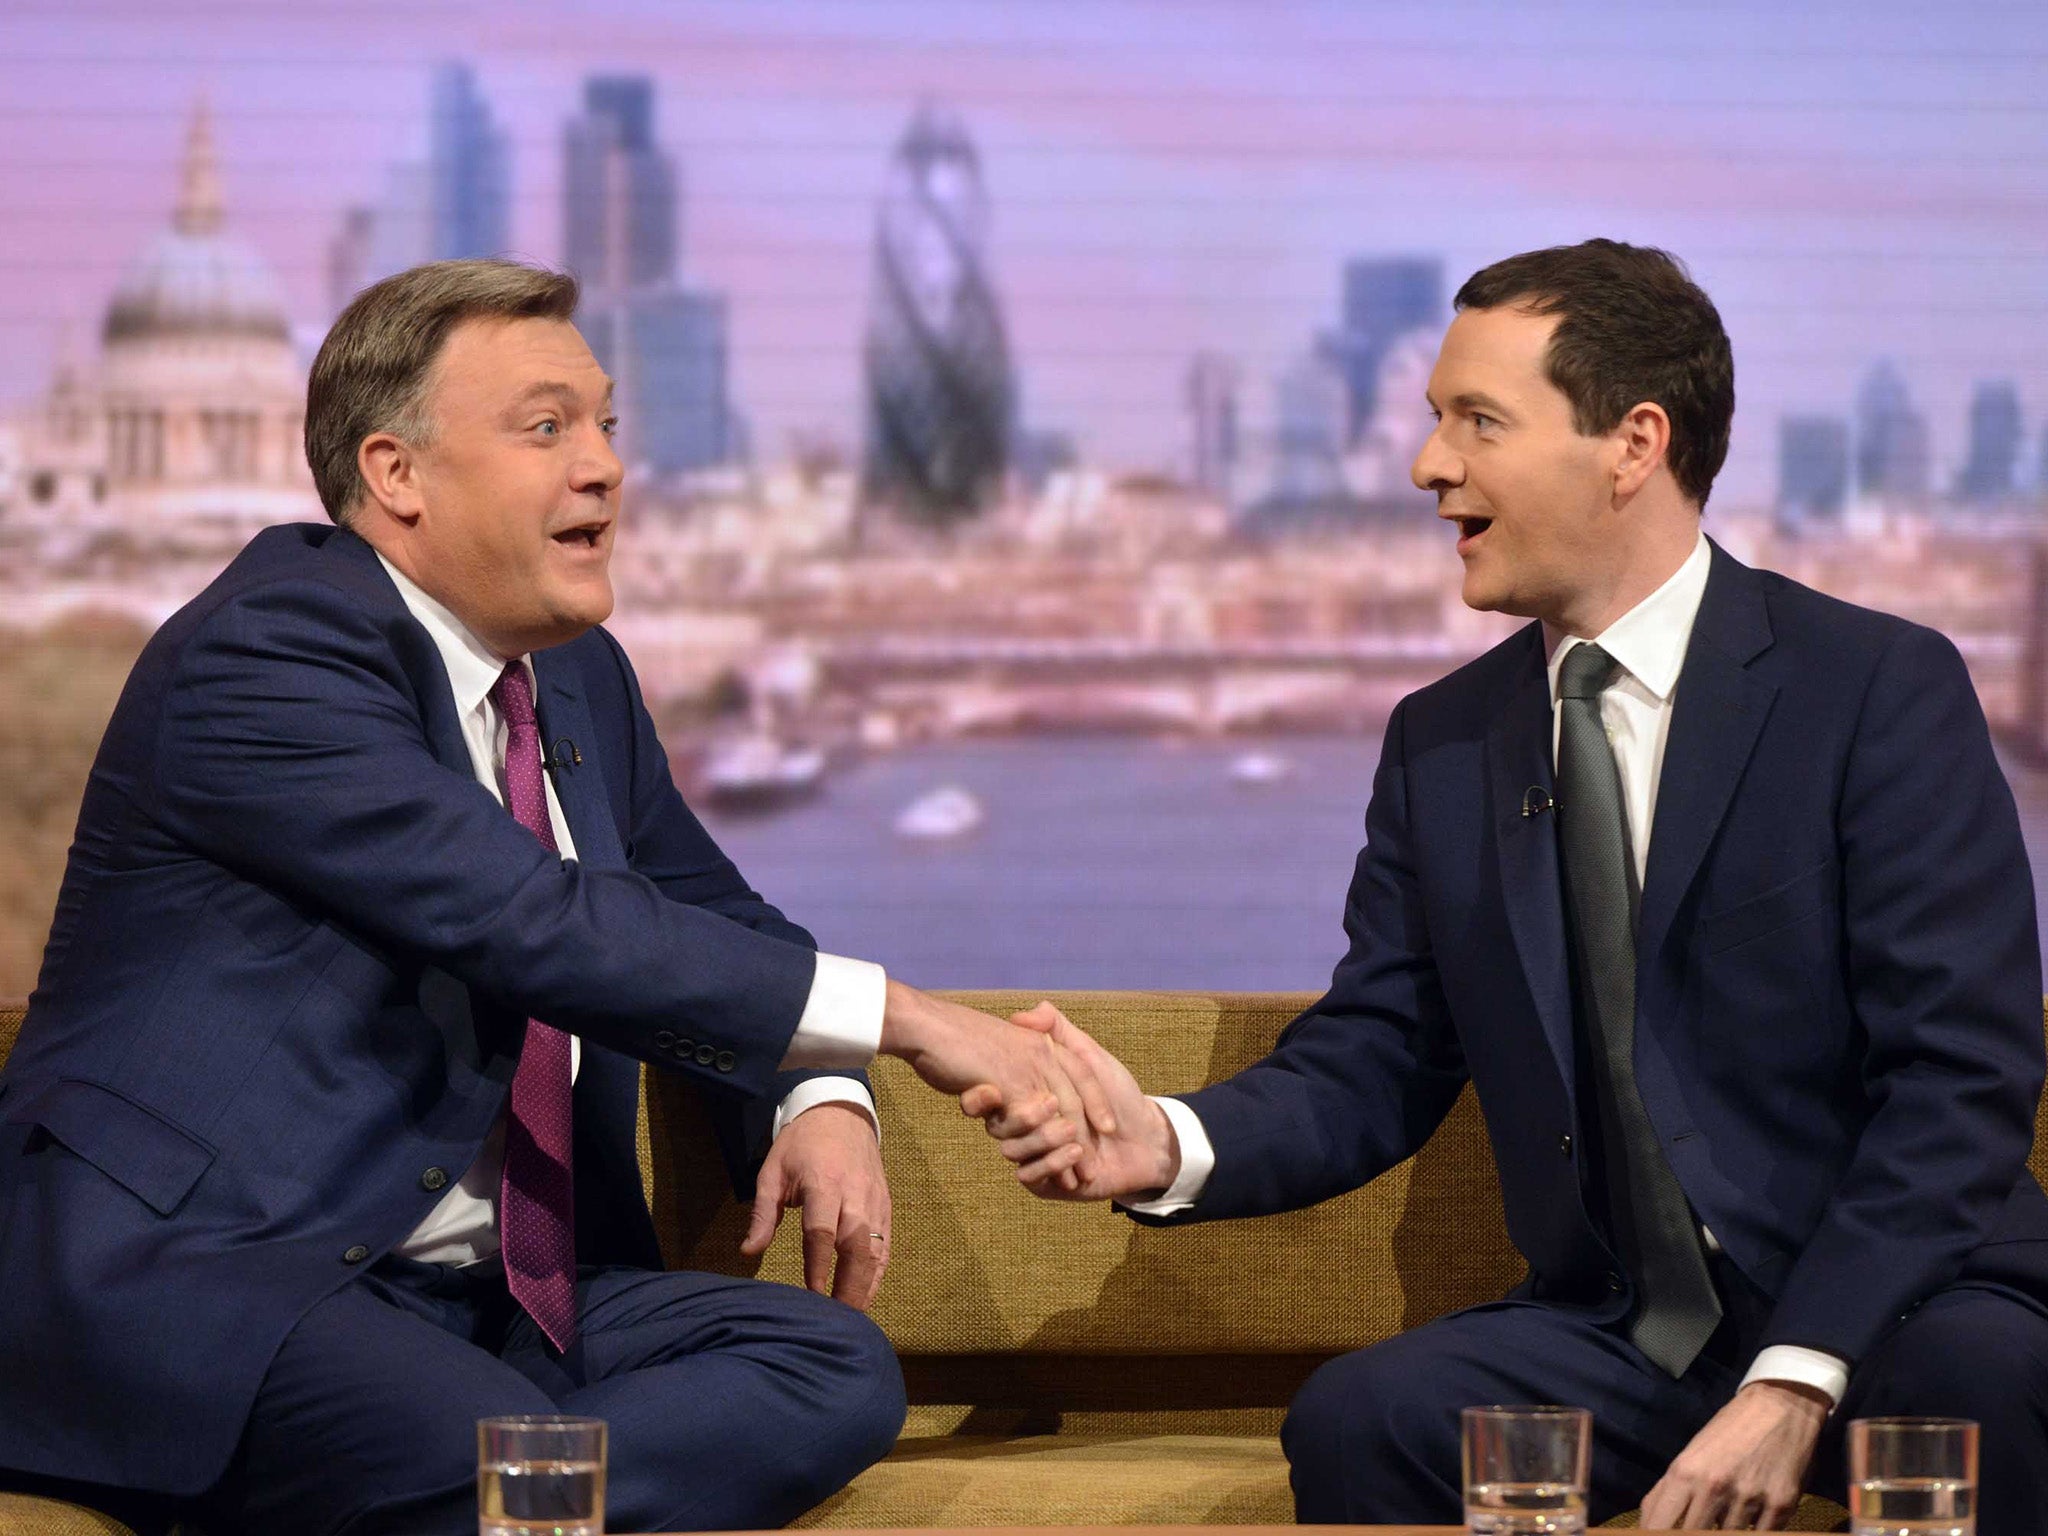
1851, 185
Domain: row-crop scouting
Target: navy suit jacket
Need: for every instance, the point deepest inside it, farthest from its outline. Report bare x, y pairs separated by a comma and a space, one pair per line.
1838, 997
285, 991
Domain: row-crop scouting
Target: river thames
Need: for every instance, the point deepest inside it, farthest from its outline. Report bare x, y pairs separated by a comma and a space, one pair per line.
1102, 861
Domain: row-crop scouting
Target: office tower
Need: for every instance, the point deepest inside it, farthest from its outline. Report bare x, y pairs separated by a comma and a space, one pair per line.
402, 234
1212, 423
1385, 298
666, 349
348, 256
941, 395
1990, 472
664, 342
1311, 409
619, 190
1813, 468
455, 203
469, 171
1891, 439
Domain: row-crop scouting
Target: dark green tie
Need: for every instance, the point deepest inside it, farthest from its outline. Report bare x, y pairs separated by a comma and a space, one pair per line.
1655, 1235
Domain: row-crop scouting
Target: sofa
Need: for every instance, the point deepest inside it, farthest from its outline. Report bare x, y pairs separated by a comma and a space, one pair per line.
1065, 1365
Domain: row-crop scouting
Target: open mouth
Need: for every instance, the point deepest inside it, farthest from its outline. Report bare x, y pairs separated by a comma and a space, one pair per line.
587, 536
1470, 528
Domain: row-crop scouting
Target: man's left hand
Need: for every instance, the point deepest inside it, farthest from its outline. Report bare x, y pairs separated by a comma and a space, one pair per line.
1743, 1470
828, 1162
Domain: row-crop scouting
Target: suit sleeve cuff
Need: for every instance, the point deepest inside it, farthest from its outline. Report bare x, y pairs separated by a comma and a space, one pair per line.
841, 1026
1197, 1162
1803, 1367
813, 1091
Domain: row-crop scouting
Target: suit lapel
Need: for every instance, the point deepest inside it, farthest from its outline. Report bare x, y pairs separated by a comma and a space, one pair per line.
416, 649
567, 735
1518, 760
1718, 712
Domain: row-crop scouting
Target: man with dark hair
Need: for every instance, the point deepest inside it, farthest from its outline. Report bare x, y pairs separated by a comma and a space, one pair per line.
318, 1142
1712, 888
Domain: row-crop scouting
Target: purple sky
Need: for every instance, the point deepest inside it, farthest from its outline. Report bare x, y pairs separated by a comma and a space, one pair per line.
1848, 180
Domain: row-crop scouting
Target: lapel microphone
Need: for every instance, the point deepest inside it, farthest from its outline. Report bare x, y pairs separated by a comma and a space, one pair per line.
1536, 800
565, 755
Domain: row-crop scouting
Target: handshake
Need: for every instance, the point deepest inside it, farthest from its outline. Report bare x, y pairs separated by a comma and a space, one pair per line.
1059, 1106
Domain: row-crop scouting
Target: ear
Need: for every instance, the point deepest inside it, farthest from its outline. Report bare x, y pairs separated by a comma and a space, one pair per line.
390, 467
1643, 437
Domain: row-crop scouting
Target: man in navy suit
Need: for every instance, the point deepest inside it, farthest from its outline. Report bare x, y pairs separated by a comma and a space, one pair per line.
1712, 888
318, 1142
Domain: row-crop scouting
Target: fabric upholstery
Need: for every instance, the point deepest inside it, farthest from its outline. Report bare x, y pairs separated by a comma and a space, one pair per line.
978, 1266
1063, 1479
24, 1516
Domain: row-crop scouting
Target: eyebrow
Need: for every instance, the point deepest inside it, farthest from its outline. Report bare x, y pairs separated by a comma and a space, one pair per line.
558, 390
1476, 400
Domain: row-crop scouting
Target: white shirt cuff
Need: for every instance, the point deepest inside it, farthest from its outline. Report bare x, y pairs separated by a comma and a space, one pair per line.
841, 1027
1803, 1367
813, 1091
1197, 1162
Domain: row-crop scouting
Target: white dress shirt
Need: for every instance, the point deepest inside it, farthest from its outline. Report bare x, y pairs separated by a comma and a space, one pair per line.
1649, 642
841, 1025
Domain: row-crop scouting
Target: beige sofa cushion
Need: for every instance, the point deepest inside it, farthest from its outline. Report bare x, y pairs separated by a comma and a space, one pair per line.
979, 1266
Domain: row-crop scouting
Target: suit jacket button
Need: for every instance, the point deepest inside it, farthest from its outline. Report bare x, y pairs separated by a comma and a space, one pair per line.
664, 1038
706, 1055
355, 1255
1564, 1145
727, 1061
434, 1178
683, 1048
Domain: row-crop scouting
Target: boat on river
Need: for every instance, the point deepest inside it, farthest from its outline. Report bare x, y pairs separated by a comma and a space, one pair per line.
946, 812
759, 771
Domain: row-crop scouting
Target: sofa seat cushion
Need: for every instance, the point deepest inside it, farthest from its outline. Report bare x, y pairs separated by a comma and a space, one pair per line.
1068, 1479
24, 1515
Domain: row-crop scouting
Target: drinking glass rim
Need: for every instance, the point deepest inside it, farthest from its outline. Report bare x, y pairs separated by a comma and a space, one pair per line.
541, 1422
1537, 1411
1914, 1421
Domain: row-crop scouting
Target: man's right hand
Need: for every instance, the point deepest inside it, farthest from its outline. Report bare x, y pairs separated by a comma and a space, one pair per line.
1022, 1080
1140, 1157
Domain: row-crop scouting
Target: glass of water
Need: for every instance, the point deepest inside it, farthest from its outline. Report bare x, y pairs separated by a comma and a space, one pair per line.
1913, 1477
540, 1475
1526, 1470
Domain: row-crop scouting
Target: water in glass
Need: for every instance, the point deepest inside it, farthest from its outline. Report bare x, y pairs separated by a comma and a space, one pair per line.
1913, 1506
1525, 1509
540, 1498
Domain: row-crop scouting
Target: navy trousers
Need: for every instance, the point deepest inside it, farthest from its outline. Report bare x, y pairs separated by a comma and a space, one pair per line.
732, 1404
1372, 1438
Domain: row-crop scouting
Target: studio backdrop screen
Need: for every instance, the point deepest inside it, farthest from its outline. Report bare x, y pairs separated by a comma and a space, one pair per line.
1020, 557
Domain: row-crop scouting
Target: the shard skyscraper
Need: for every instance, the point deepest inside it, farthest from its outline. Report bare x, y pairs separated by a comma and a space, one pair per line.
941, 397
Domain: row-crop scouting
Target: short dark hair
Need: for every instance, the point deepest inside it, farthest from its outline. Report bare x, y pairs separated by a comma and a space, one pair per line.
374, 369
1632, 326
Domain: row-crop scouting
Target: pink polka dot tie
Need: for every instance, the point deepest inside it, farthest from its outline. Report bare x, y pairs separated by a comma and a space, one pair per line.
537, 1206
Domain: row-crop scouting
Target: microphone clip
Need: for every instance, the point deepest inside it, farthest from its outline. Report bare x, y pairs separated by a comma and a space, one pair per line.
564, 755
1535, 801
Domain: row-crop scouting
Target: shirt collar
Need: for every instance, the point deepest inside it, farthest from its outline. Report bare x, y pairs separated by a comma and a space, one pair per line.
1649, 641
473, 667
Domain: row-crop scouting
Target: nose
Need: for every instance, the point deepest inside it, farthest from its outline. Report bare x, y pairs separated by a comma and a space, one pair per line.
1436, 467
597, 470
